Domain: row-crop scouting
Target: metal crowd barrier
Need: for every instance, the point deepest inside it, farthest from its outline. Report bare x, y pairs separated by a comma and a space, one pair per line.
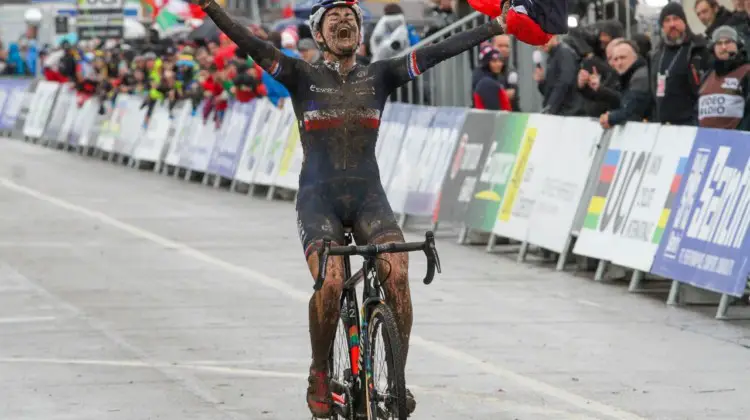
668, 202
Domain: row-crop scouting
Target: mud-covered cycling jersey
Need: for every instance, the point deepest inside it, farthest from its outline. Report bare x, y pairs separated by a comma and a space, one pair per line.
339, 115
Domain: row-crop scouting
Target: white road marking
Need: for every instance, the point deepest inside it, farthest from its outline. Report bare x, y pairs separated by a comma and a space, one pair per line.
22, 320
304, 296
503, 404
588, 303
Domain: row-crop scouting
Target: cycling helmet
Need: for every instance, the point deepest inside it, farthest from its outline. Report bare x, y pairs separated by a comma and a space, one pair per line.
320, 8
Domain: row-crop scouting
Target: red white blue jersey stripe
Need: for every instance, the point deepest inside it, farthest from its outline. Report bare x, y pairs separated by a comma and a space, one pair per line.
411, 65
333, 118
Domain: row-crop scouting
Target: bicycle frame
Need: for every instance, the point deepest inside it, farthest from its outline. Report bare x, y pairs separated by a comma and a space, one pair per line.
355, 319
356, 326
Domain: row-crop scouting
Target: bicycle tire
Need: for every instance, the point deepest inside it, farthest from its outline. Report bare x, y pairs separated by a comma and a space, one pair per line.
339, 363
382, 317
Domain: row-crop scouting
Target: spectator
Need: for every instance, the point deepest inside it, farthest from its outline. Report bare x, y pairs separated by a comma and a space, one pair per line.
3, 58
677, 66
390, 37
289, 44
643, 41
247, 83
608, 30
277, 93
558, 83
488, 90
16, 64
507, 77
440, 16
725, 91
713, 15
739, 6
309, 51
635, 99
598, 84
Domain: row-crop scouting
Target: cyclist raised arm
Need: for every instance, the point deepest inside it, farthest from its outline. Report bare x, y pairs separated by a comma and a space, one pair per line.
338, 104
271, 59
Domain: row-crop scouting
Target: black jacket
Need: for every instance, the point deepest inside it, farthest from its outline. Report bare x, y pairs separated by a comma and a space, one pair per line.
561, 96
636, 98
607, 97
724, 17
691, 61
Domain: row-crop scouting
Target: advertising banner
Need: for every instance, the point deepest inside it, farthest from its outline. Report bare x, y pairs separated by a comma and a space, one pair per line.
566, 171
202, 144
277, 134
705, 241
291, 160
644, 222
390, 139
474, 144
411, 149
255, 141
40, 109
12, 93
424, 185
527, 176
62, 107
616, 193
152, 139
496, 170
228, 149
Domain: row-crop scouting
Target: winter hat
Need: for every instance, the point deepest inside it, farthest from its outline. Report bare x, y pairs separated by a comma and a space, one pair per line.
725, 32
288, 40
392, 9
488, 54
672, 9
306, 44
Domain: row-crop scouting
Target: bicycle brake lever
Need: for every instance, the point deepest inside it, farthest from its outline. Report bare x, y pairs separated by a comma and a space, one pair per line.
322, 264
433, 262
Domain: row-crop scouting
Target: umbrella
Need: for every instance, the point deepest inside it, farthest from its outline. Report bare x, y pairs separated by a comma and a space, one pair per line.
282, 24
209, 30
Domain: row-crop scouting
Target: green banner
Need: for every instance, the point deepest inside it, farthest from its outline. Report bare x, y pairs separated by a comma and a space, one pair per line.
484, 205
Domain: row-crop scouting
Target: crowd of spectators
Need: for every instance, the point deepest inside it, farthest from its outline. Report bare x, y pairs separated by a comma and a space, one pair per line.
683, 77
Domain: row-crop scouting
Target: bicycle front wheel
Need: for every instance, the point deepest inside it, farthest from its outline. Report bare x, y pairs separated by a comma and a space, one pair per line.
387, 397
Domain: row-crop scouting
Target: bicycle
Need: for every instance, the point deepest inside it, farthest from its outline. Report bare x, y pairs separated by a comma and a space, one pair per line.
352, 386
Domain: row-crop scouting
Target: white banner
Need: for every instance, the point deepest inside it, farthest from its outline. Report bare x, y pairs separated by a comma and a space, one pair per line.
131, 126
87, 120
255, 141
390, 139
406, 164
566, 171
638, 241
202, 144
617, 191
40, 109
527, 176
291, 160
274, 144
152, 140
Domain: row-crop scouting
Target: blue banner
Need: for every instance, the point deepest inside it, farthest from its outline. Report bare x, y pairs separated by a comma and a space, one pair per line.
436, 154
11, 97
231, 142
705, 243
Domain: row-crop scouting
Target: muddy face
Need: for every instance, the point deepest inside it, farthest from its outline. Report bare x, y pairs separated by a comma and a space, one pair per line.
340, 31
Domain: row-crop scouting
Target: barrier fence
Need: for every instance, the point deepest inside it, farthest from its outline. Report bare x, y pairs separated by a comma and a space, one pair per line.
668, 201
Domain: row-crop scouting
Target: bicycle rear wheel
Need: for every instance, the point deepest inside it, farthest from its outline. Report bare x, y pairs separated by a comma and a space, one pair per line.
387, 398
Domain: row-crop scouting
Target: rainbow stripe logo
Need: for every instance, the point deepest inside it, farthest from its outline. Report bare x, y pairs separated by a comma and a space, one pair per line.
599, 198
671, 197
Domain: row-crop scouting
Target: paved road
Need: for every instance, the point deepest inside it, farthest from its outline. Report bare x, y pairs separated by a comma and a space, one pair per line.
129, 295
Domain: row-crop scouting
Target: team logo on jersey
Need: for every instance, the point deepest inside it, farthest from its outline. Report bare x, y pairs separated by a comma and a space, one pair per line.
731, 83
